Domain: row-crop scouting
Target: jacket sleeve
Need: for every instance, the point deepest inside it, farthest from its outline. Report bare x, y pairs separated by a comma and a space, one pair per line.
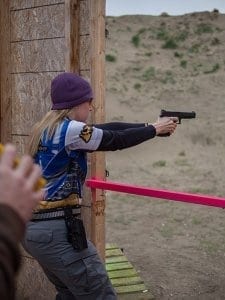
11, 232
106, 137
120, 139
119, 125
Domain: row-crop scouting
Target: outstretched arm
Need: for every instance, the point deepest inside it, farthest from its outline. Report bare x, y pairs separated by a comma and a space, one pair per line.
81, 136
119, 125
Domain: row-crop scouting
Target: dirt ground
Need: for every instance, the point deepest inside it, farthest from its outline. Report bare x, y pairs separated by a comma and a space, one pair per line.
178, 248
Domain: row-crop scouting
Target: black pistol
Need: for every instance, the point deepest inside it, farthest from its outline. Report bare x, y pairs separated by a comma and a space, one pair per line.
178, 114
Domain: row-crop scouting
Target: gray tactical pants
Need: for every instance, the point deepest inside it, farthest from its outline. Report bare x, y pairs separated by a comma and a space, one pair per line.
76, 275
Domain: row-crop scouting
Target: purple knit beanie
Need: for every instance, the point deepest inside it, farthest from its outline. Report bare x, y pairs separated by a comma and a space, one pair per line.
69, 90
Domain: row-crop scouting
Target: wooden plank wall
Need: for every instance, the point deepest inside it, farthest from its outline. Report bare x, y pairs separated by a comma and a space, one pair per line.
39, 39
41, 45
37, 42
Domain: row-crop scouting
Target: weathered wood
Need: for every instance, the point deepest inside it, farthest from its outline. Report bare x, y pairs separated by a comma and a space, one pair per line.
5, 63
84, 18
32, 282
21, 143
123, 275
97, 63
31, 99
126, 281
38, 23
25, 4
38, 56
85, 72
113, 252
72, 38
85, 52
119, 266
115, 259
130, 288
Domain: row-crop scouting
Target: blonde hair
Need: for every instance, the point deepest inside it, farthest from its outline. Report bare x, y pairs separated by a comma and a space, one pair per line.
49, 123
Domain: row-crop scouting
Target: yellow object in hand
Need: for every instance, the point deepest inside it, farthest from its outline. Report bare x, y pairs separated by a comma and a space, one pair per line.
41, 181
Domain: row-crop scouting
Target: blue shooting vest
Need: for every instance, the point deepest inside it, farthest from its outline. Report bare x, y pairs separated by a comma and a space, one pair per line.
65, 171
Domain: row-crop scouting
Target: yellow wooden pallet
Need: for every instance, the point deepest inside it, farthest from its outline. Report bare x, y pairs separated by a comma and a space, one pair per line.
123, 275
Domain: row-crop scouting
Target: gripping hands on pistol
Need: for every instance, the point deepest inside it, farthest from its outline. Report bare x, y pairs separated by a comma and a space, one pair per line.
165, 126
167, 117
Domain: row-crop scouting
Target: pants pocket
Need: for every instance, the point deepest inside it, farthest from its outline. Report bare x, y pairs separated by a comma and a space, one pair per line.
86, 275
36, 241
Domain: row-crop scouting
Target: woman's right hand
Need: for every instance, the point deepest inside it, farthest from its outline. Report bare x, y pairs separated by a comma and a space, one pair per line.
165, 125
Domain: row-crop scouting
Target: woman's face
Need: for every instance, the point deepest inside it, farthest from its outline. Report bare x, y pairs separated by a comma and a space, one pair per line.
81, 112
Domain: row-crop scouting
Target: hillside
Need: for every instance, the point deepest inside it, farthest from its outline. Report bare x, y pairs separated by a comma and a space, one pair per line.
174, 63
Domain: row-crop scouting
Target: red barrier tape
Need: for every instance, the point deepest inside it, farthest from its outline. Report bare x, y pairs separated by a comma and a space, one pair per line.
156, 193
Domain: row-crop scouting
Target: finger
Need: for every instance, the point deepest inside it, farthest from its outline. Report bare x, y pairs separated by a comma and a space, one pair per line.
25, 166
34, 176
39, 196
174, 119
8, 156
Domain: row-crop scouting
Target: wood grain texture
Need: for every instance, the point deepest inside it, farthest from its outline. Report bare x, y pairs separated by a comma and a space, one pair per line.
38, 56
5, 63
97, 64
26, 4
32, 283
85, 52
21, 143
37, 23
31, 100
72, 38
84, 17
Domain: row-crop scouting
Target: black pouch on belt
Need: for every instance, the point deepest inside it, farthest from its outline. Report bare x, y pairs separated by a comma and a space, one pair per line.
75, 230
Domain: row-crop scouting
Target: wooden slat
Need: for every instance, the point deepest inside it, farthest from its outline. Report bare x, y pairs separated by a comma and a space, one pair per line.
38, 23
122, 273
119, 266
115, 259
72, 39
124, 277
31, 99
127, 281
85, 52
111, 246
84, 17
5, 63
130, 288
25, 4
38, 56
113, 252
97, 59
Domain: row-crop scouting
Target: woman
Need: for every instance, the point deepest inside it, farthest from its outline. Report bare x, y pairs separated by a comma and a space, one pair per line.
59, 143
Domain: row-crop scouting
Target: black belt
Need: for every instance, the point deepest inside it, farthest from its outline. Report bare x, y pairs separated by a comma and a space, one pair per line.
51, 215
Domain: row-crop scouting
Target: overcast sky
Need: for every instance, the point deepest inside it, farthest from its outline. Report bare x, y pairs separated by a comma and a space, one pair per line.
156, 7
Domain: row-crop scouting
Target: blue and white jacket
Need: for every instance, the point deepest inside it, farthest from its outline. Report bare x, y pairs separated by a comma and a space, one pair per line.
63, 158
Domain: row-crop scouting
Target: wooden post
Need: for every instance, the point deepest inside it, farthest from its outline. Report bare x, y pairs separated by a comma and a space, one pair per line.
97, 64
5, 73
72, 25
